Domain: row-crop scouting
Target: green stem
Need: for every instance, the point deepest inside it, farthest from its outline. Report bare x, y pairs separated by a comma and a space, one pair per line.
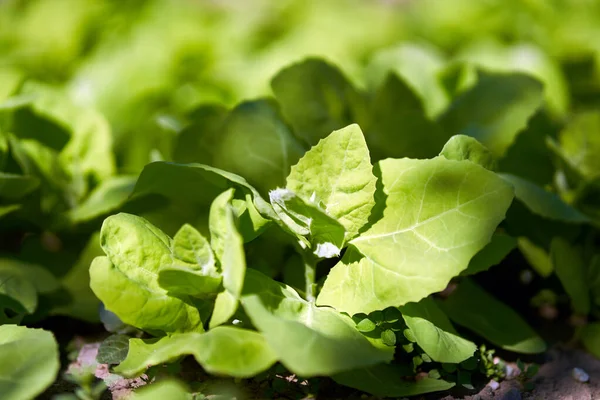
310, 266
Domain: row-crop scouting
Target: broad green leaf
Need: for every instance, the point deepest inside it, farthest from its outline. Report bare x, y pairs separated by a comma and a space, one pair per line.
126, 281
113, 350
439, 213
228, 246
590, 336
316, 99
224, 350
17, 293
492, 254
198, 274
13, 186
473, 308
571, 270
84, 304
308, 340
580, 143
542, 202
495, 110
164, 389
419, 65
256, 143
397, 125
313, 227
196, 142
434, 332
387, 380
111, 194
337, 174
29, 361
462, 147
200, 184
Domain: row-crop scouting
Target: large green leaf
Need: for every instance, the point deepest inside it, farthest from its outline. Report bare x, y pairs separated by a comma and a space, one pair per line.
164, 389
543, 203
387, 380
29, 361
310, 224
337, 173
224, 350
439, 213
434, 333
571, 270
127, 280
397, 125
228, 246
307, 339
590, 336
472, 307
495, 110
255, 143
316, 99
492, 254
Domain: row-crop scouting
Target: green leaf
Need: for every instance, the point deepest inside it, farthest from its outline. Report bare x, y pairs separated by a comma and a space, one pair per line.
113, 350
197, 275
29, 361
590, 336
571, 270
386, 380
311, 225
228, 246
397, 125
472, 307
164, 389
388, 337
579, 144
337, 174
127, 280
542, 202
536, 256
224, 350
495, 110
256, 143
109, 196
462, 147
492, 254
316, 99
438, 215
366, 325
308, 340
434, 333
13, 186
5, 210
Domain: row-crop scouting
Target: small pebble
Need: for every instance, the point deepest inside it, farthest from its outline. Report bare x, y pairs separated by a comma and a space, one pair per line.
580, 375
494, 385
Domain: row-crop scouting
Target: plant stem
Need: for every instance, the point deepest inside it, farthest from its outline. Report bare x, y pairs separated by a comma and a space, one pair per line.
310, 266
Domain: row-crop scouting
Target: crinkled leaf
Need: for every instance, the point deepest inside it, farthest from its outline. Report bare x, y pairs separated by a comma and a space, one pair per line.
307, 339
312, 226
111, 194
316, 99
387, 380
475, 309
337, 174
571, 270
127, 280
495, 110
228, 246
113, 350
29, 361
462, 147
492, 254
542, 202
439, 213
434, 332
224, 350
590, 336
256, 143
